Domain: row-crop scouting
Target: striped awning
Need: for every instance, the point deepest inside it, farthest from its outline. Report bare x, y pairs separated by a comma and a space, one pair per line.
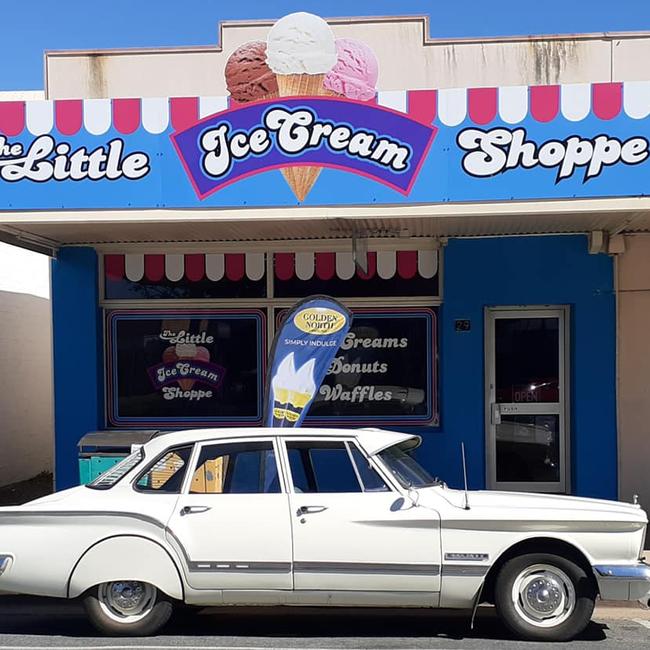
450, 107
195, 267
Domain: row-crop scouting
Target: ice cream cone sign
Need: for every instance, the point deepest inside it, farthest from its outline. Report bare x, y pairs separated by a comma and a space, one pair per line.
301, 51
292, 390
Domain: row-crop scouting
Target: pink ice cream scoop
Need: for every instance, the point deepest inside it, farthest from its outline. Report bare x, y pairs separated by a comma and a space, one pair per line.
356, 70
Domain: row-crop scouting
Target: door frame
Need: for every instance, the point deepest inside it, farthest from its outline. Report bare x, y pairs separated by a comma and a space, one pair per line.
529, 311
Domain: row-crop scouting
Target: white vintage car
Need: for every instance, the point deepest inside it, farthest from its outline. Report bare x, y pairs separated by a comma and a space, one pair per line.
315, 517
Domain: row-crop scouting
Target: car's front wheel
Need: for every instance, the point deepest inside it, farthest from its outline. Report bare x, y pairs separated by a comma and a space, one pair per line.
127, 608
544, 597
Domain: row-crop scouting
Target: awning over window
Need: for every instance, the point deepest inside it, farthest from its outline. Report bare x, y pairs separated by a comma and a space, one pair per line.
194, 267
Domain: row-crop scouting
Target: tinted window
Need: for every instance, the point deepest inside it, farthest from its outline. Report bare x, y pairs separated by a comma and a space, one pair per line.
237, 468
322, 467
167, 473
371, 480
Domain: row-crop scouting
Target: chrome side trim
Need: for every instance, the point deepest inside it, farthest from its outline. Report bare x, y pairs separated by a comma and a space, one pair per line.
239, 567
539, 525
5, 562
366, 567
466, 557
464, 570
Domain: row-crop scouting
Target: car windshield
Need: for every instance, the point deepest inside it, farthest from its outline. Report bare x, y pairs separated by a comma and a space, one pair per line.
110, 477
405, 468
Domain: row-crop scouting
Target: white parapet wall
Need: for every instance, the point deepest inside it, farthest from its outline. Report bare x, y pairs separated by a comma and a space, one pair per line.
26, 421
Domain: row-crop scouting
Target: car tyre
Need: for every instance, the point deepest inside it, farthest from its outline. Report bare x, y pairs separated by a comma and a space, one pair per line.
544, 597
127, 608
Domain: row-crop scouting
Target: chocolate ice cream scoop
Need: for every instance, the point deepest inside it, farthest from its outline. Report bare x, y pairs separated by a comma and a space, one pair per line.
248, 77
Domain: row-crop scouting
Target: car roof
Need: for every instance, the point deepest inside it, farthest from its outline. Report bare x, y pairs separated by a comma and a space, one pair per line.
372, 440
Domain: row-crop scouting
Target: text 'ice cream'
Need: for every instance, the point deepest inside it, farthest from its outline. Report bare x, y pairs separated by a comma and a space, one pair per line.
248, 77
355, 73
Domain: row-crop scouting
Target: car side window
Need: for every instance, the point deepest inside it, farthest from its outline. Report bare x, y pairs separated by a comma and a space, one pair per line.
372, 481
321, 466
167, 473
236, 468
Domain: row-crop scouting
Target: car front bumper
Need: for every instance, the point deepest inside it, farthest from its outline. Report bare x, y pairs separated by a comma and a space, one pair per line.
624, 581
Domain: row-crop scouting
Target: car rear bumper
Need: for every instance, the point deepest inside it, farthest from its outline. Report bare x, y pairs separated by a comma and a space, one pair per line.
624, 581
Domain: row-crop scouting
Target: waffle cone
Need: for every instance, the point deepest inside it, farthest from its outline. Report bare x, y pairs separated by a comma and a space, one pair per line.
268, 96
331, 93
301, 179
290, 85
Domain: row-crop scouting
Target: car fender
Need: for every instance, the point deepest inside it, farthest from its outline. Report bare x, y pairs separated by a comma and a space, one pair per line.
126, 557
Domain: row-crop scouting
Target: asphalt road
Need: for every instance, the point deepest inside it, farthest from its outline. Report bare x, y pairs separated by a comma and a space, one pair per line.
43, 623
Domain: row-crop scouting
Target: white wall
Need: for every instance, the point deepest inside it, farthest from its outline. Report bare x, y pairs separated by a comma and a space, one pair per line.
26, 423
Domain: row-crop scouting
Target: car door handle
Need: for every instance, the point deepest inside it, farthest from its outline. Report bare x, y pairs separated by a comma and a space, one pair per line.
191, 510
309, 510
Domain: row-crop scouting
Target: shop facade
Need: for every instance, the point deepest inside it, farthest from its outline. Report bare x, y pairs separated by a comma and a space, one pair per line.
474, 233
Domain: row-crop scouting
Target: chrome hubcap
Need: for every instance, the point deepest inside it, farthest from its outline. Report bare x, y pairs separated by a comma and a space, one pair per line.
543, 595
127, 600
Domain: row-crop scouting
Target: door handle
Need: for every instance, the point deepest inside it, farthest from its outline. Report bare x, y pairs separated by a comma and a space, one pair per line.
191, 510
496, 413
309, 510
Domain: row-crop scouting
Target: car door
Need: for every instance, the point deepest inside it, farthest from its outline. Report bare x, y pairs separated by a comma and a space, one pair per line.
352, 530
232, 520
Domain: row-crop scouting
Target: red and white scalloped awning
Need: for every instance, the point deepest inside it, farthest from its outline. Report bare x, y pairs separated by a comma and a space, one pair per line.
450, 107
383, 264
194, 267
138, 267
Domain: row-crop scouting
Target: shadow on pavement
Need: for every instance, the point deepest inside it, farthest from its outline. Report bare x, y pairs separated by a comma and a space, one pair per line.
46, 616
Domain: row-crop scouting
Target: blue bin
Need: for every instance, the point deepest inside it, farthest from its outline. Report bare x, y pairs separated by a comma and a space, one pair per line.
100, 450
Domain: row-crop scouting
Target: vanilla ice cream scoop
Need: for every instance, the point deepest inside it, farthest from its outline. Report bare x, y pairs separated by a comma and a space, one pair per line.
300, 43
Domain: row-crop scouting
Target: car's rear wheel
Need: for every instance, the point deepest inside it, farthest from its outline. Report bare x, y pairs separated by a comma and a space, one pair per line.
544, 597
127, 608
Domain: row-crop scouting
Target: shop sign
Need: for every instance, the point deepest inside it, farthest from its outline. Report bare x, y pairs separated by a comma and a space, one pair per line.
304, 123
383, 145
308, 337
197, 367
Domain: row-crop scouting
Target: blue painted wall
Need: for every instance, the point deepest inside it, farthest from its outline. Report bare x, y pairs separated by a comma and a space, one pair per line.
554, 270
78, 368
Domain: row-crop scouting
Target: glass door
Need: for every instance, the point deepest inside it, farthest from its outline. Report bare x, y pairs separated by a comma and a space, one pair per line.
526, 370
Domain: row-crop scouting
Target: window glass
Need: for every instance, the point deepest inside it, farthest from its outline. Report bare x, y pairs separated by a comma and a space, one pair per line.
371, 480
110, 477
236, 468
405, 468
167, 473
321, 467
198, 367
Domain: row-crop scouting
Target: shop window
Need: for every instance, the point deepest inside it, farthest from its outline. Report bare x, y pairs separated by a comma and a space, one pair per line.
383, 375
322, 467
183, 366
237, 468
384, 372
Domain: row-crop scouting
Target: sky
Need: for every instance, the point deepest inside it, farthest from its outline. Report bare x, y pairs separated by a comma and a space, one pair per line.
31, 26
